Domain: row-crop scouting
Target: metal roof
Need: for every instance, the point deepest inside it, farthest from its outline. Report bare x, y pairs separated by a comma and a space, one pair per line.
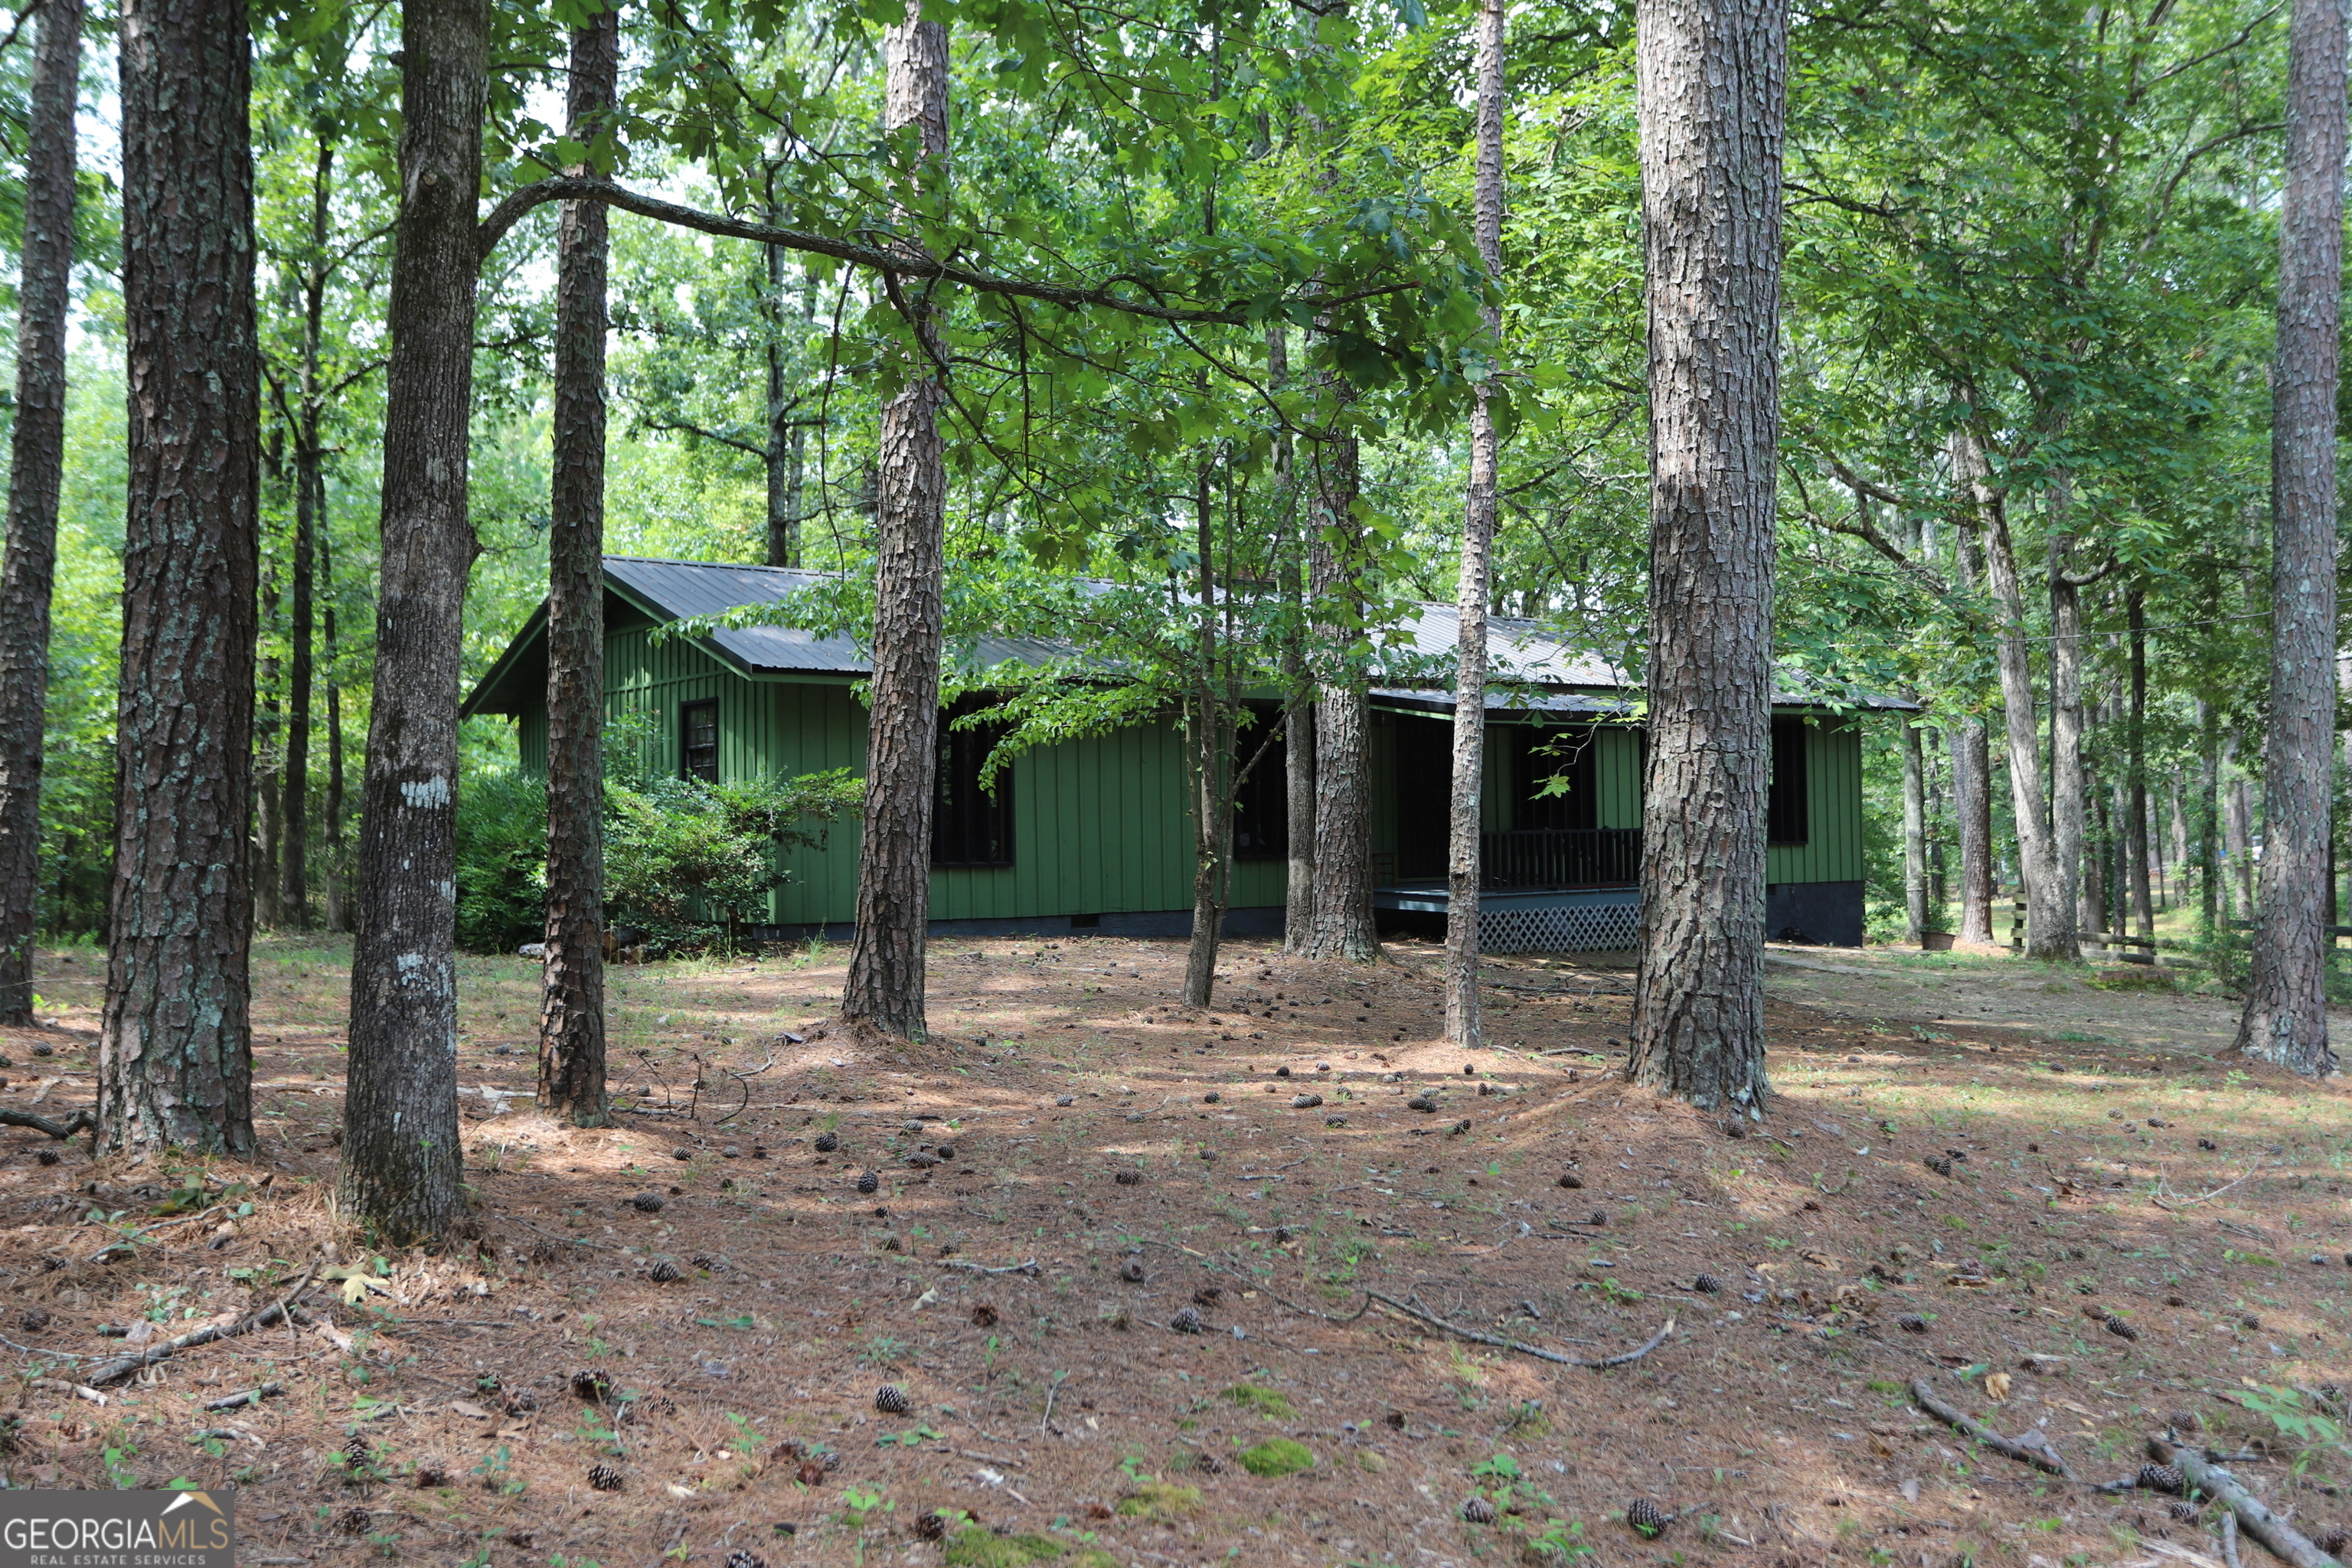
1521, 654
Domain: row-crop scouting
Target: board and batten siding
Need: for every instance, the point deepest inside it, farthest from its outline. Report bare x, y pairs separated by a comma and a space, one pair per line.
1833, 848
1100, 825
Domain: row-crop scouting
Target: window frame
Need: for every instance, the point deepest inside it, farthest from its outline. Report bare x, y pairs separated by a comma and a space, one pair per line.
1788, 794
958, 803
686, 746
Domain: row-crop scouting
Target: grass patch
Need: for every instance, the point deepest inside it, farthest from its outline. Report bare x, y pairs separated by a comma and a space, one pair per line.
1160, 1499
2137, 977
979, 1548
1274, 1406
1278, 1457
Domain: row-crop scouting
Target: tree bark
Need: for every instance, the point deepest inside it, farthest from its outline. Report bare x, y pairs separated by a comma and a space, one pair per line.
1463, 1026
2285, 1020
884, 995
572, 983
36, 473
267, 763
786, 438
1344, 927
2143, 907
2208, 819
401, 1159
1210, 733
309, 517
1712, 81
1971, 753
1299, 727
2049, 900
175, 1046
2238, 837
338, 916
1915, 835
2067, 837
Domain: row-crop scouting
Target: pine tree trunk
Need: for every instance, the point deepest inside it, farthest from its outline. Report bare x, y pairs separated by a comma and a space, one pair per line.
1971, 752
2143, 907
2237, 838
1298, 726
784, 437
2049, 901
36, 473
1915, 835
1343, 795
572, 984
309, 517
1463, 1026
175, 1044
1211, 733
2067, 837
884, 995
267, 766
2209, 820
338, 916
400, 1158
2285, 1020
1712, 86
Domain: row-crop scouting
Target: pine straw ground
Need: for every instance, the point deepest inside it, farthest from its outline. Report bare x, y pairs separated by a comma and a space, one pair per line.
1061, 1410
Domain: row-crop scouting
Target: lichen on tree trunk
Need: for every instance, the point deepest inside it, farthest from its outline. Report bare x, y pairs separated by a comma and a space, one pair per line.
175, 1047
401, 1159
1711, 84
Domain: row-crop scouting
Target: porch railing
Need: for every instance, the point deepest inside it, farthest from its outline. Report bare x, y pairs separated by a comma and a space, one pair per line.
1561, 857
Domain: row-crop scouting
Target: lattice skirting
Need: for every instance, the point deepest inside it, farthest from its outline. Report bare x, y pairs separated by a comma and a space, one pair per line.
1575, 928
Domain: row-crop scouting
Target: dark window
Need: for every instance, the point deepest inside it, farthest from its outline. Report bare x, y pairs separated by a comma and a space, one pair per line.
1542, 754
1261, 799
698, 740
1788, 806
970, 825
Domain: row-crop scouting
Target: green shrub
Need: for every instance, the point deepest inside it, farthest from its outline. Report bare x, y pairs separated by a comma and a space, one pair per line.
501, 862
688, 863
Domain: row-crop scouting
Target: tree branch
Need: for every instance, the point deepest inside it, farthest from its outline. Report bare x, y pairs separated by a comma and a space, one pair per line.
890, 263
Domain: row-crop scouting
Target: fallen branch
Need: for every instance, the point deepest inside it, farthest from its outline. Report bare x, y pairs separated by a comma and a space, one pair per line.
1030, 1268
2192, 1203
123, 1243
249, 1396
2230, 1541
79, 1121
60, 1385
123, 1366
2284, 1542
1499, 1343
2041, 1460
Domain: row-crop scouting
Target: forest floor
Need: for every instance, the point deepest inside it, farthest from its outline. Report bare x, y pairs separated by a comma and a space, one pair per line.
2119, 1230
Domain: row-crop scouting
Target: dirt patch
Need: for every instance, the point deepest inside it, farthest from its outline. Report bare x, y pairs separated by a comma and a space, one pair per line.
1112, 1271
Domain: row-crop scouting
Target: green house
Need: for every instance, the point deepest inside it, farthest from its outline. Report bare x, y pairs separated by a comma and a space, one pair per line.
1094, 834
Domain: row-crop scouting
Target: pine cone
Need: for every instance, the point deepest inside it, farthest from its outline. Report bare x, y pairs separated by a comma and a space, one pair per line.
930, 1526
744, 1557
1065, 1100
891, 1400
945, 1151
1420, 1103
827, 1143
1647, 1517
870, 1183
1188, 1321
648, 1201
921, 1161
1600, 1217
2120, 1329
1128, 1178
521, 1402
984, 1316
2185, 1421
665, 1272
1208, 1296
357, 1454
2207, 1144
1708, 1285
1305, 1101
1570, 1179
651, 1407
1208, 1464
1132, 1271
430, 1476
604, 1478
33, 1319
352, 1521
1940, 1164
2332, 1541
2185, 1512
2160, 1479
50, 1157
591, 1385
1479, 1510
811, 1473
1912, 1323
